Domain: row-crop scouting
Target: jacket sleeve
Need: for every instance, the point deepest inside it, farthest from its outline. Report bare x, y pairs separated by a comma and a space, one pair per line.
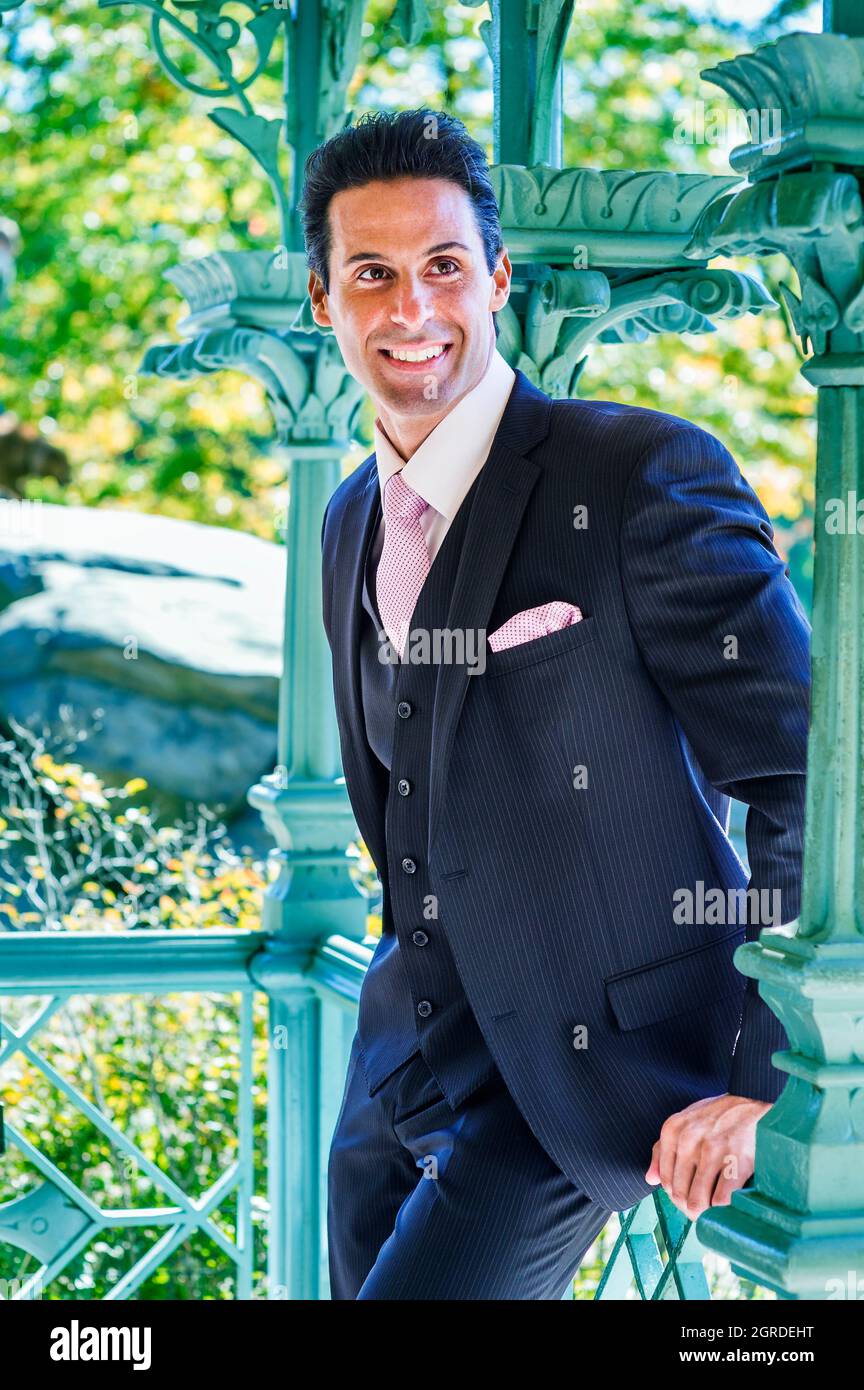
325, 585
723, 634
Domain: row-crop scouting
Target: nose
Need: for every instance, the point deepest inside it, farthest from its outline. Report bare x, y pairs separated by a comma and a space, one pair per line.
411, 304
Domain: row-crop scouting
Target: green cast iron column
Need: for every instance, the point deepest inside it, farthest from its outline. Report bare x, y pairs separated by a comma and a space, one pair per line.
800, 1228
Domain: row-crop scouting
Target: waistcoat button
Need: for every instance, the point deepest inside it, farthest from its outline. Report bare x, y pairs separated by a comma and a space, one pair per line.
419, 938
404, 786
424, 1008
409, 866
403, 709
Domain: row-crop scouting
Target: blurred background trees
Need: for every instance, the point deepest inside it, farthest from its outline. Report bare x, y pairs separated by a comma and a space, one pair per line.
114, 175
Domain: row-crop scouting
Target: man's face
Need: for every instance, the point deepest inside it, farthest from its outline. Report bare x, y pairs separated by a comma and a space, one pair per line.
408, 272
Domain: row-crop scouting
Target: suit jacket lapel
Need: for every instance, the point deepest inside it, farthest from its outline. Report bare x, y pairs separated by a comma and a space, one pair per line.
505, 483
493, 526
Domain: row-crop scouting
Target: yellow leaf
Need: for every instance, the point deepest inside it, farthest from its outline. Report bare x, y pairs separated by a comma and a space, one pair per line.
45, 763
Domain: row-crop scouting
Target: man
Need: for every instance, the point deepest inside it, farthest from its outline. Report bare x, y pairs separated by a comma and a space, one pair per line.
543, 1033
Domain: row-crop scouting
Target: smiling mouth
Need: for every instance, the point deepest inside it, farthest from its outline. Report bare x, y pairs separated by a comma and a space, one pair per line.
416, 357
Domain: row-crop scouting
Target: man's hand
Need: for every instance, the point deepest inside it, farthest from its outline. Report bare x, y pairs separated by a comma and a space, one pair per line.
706, 1151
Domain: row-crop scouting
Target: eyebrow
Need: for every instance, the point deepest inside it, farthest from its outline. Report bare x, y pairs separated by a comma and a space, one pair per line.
378, 256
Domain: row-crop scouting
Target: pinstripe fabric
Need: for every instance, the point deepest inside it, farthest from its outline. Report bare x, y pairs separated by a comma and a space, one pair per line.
425, 1203
582, 781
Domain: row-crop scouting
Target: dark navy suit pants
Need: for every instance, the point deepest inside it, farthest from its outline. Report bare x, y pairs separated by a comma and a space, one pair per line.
427, 1202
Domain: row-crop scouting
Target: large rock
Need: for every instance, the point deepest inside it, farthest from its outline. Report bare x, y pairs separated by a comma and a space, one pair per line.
172, 629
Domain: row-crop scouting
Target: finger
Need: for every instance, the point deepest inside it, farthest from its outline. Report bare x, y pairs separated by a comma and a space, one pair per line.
684, 1173
667, 1153
653, 1172
737, 1170
704, 1185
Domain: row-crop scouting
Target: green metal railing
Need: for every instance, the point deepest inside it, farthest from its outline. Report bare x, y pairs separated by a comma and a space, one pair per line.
656, 1255
56, 1219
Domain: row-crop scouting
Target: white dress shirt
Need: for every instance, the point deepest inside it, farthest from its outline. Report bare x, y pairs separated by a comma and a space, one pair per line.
445, 465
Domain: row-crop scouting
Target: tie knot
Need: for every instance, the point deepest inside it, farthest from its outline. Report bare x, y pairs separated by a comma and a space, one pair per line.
401, 502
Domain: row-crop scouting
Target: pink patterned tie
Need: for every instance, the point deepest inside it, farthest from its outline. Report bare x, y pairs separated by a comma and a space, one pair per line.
404, 562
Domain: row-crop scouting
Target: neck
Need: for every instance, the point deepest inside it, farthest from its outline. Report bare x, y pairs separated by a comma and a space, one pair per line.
407, 432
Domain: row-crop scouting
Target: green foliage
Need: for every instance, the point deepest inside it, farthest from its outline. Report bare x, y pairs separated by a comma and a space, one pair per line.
166, 1073
115, 174
78, 855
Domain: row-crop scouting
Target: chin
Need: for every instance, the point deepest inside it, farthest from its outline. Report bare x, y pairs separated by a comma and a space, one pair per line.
413, 404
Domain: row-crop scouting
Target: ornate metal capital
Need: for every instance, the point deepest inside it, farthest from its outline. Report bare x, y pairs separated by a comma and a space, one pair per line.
604, 255
813, 214
242, 305
804, 99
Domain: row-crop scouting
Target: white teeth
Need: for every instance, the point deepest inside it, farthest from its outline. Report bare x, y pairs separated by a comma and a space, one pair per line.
425, 356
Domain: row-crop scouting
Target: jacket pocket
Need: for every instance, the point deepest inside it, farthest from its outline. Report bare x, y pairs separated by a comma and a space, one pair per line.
564, 639
691, 979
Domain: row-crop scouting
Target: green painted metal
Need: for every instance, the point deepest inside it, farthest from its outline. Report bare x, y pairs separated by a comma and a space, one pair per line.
605, 256
153, 962
800, 1228
597, 256
526, 44
656, 1256
56, 1220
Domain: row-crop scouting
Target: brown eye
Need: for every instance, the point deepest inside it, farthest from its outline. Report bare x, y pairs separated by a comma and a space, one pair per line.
452, 264
370, 267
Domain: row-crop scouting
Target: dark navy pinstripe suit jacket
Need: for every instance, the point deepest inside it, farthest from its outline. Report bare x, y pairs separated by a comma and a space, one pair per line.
558, 902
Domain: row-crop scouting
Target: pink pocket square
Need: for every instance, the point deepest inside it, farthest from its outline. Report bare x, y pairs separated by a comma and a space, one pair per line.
532, 623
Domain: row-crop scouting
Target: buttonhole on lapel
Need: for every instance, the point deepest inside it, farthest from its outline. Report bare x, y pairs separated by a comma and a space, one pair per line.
496, 1018
454, 873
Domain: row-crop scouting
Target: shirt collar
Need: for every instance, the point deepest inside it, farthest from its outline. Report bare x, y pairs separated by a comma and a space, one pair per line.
445, 465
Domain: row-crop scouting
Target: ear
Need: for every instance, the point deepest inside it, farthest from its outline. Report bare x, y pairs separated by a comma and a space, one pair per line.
318, 296
502, 276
